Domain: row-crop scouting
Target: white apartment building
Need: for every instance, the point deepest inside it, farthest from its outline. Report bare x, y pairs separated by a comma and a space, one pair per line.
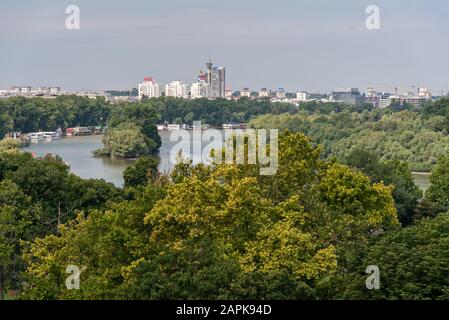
55, 90
176, 89
245, 93
43, 90
424, 93
149, 88
200, 90
302, 96
264, 93
25, 90
280, 93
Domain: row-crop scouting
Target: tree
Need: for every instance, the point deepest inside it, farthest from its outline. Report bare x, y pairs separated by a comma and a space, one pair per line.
9, 144
126, 141
438, 191
214, 230
104, 242
18, 219
413, 264
406, 194
144, 170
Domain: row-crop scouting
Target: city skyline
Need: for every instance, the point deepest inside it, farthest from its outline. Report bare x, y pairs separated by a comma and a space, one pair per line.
309, 45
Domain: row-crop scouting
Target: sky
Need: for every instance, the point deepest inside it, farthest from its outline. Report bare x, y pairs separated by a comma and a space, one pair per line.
312, 45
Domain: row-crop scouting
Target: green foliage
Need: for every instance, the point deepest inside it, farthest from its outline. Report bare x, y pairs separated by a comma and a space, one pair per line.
218, 232
439, 183
30, 115
406, 194
9, 144
224, 231
18, 222
418, 136
144, 170
126, 141
36, 196
413, 264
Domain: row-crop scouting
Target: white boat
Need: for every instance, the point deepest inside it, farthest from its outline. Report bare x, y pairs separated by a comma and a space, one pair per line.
49, 136
36, 136
172, 127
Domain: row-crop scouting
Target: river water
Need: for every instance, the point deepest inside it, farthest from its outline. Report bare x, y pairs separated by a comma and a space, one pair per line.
77, 152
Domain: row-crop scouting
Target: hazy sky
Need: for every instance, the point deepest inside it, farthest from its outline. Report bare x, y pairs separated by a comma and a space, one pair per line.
314, 45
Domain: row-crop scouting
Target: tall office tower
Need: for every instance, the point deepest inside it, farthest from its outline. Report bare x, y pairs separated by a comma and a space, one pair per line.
176, 89
149, 88
216, 78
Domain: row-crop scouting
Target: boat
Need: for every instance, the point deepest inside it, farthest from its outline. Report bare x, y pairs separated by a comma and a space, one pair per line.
231, 126
171, 127
49, 136
36, 136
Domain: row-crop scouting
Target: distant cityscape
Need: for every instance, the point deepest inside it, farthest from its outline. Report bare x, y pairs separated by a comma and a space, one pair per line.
211, 84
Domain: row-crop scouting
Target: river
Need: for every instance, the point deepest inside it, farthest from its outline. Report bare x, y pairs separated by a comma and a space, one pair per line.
77, 152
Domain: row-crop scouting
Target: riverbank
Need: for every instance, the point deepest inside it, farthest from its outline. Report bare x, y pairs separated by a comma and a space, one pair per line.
77, 152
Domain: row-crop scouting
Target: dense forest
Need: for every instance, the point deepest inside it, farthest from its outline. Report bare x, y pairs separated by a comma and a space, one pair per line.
416, 135
219, 231
222, 231
34, 114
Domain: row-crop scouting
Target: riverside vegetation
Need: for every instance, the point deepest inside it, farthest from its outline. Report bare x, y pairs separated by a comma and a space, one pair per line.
223, 231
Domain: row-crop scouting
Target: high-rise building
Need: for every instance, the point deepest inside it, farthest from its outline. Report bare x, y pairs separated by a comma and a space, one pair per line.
200, 90
216, 78
176, 89
149, 88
